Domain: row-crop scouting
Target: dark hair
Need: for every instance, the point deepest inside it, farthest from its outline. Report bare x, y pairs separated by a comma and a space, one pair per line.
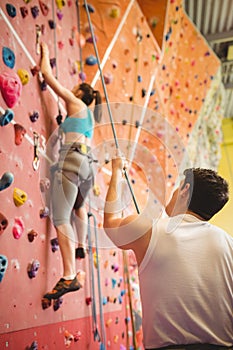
208, 191
89, 94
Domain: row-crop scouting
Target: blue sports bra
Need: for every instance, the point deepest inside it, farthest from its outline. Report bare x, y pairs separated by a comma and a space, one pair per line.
81, 125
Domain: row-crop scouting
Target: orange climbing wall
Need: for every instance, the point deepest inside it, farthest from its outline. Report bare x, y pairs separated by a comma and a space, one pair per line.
184, 68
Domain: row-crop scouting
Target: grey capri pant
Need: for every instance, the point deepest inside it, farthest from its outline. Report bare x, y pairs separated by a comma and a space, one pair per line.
73, 178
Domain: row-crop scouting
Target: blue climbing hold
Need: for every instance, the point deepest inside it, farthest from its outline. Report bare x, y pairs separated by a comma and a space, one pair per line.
6, 180
91, 60
114, 282
8, 57
34, 346
11, 10
3, 266
7, 117
104, 301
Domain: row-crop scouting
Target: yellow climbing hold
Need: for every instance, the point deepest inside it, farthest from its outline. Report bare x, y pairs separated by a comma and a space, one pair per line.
60, 4
96, 190
23, 75
19, 197
114, 12
95, 259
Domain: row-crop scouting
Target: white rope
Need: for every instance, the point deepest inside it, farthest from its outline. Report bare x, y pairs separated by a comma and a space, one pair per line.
141, 119
109, 49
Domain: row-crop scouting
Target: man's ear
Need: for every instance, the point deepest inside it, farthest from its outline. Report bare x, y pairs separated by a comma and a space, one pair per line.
185, 190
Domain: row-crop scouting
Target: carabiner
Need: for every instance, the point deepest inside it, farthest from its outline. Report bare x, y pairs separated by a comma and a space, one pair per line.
36, 160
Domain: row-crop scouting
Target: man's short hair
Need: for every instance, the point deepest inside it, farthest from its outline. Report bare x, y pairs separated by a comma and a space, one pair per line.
208, 191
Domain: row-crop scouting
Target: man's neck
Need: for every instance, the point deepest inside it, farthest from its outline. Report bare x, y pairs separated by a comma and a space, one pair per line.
194, 214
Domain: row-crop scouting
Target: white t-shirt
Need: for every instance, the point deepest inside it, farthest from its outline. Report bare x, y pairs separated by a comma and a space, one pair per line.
186, 284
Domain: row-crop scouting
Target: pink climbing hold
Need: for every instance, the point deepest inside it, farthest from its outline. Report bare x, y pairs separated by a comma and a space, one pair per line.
18, 228
77, 336
44, 184
108, 78
11, 88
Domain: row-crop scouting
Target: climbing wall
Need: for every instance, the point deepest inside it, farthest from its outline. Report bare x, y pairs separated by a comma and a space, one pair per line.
164, 90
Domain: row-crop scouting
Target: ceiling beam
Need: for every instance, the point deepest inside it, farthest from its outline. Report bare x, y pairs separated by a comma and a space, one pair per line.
228, 86
220, 37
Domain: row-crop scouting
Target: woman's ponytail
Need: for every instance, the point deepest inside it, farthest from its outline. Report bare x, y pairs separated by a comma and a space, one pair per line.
89, 94
98, 106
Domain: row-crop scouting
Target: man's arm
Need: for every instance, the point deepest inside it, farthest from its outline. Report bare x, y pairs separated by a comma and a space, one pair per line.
132, 232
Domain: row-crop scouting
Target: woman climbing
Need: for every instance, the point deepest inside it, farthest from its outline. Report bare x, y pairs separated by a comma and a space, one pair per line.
73, 175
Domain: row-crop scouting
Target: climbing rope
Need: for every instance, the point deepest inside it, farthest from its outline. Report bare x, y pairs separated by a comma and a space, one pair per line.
127, 282
92, 284
97, 337
139, 39
59, 116
117, 147
107, 102
102, 326
80, 47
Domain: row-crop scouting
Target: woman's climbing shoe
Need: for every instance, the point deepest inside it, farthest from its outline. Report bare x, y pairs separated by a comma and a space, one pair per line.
66, 286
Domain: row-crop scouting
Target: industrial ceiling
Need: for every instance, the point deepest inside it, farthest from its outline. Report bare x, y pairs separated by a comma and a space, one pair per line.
214, 19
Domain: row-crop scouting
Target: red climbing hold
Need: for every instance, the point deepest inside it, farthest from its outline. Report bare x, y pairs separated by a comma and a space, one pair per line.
3, 223
20, 131
31, 235
24, 11
88, 300
44, 8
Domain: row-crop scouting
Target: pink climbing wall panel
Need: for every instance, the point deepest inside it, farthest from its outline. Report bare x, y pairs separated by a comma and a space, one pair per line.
183, 72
